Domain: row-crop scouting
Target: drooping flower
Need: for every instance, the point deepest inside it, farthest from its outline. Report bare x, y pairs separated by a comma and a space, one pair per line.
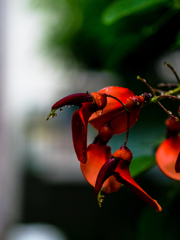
106, 172
167, 155
112, 110
97, 154
109, 105
88, 104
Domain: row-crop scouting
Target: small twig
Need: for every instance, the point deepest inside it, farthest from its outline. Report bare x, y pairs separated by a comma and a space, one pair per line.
144, 81
127, 132
168, 112
124, 105
167, 96
167, 85
159, 91
173, 70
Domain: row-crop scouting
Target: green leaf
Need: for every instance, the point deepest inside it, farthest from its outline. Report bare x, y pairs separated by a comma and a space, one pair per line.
141, 164
123, 8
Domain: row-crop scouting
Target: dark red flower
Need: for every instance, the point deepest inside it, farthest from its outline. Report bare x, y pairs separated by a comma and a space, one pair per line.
106, 172
108, 106
97, 154
113, 110
88, 104
167, 155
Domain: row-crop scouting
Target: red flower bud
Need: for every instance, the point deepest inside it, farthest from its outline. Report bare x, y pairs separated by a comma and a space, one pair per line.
100, 100
105, 133
172, 124
123, 153
134, 102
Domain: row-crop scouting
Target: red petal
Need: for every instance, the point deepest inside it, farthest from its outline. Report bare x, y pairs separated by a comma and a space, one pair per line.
177, 165
123, 176
105, 172
97, 155
113, 107
74, 99
79, 129
166, 157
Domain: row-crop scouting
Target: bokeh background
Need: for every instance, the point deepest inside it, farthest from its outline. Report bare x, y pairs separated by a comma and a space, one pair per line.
49, 49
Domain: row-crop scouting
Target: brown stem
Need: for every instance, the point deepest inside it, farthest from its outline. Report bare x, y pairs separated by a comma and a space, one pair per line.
167, 85
144, 81
159, 91
117, 100
167, 96
173, 70
116, 116
168, 112
127, 132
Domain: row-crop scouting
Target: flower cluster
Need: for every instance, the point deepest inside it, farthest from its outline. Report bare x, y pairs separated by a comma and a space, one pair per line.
114, 110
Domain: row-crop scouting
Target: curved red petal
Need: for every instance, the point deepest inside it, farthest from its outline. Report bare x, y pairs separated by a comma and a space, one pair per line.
119, 123
79, 129
166, 157
112, 110
123, 176
105, 172
73, 99
97, 155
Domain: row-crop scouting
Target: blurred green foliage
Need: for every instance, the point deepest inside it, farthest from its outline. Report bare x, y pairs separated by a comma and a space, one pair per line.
124, 36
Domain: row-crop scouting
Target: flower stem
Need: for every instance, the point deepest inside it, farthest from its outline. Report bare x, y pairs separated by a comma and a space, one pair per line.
154, 99
127, 132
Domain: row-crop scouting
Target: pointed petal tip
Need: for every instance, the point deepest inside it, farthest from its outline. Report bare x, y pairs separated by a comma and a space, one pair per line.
82, 159
158, 208
73, 99
105, 172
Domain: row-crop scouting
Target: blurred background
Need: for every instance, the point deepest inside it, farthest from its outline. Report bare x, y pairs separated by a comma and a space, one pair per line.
49, 49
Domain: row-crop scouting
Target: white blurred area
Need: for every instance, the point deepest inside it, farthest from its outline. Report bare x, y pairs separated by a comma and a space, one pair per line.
30, 85
173, 58
36, 231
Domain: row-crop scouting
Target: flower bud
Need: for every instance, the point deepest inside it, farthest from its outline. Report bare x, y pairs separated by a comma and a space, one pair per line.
172, 124
100, 99
123, 153
105, 133
134, 102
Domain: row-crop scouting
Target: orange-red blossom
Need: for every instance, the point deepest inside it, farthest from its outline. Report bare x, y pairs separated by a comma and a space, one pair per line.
112, 110
167, 155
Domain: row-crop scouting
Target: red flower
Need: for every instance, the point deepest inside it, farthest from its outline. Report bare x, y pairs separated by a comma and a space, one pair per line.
106, 172
167, 155
88, 104
110, 105
97, 154
113, 110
